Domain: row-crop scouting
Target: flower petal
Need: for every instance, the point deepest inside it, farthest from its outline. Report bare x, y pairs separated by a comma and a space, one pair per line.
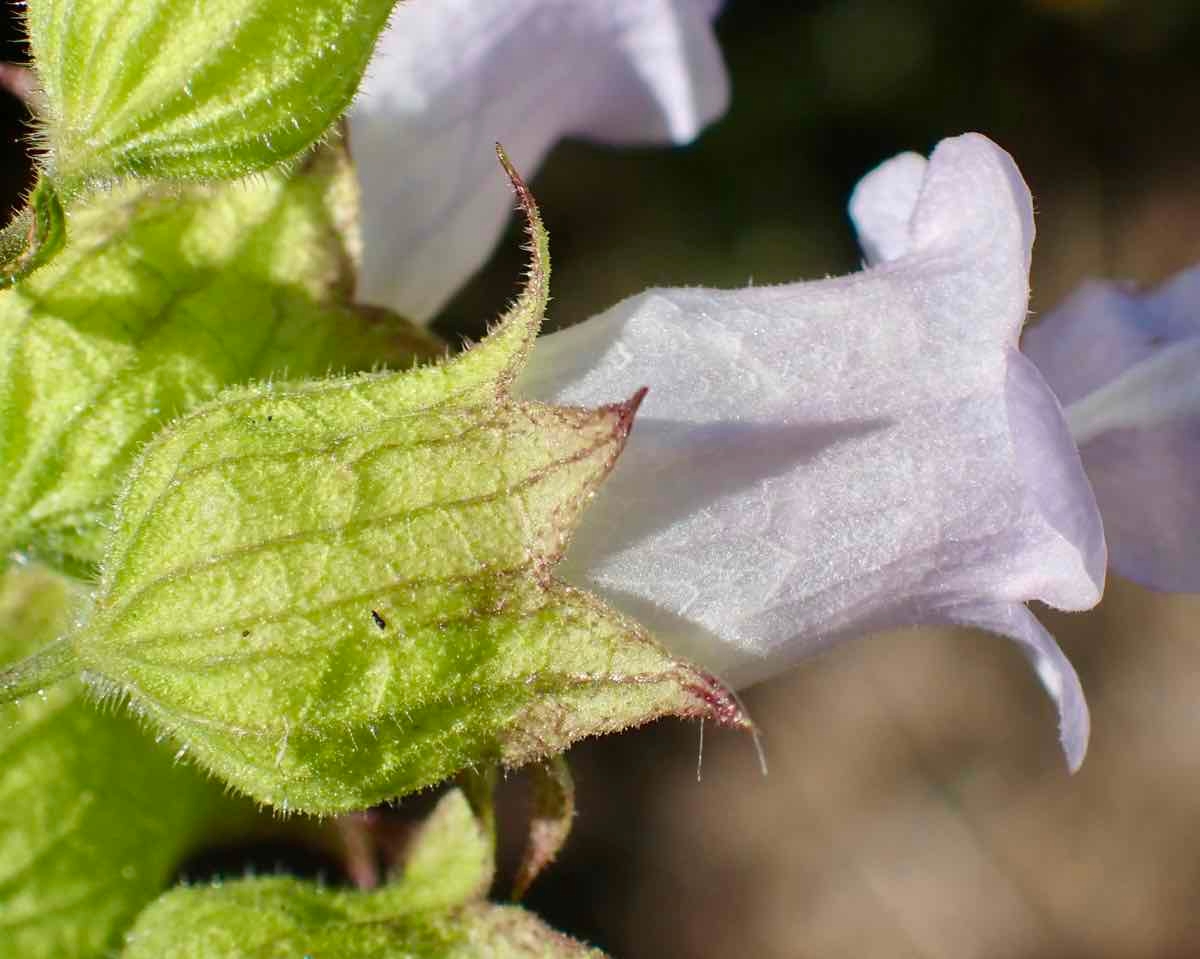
968, 200
452, 77
1103, 329
882, 205
1057, 489
820, 460
1128, 367
1053, 668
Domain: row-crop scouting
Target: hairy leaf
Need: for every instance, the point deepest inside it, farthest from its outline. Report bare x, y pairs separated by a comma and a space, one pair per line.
452, 859
340, 592
290, 919
94, 816
187, 90
161, 299
434, 911
287, 919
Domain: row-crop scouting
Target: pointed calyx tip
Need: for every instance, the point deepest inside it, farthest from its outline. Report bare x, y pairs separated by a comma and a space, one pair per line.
524, 197
718, 702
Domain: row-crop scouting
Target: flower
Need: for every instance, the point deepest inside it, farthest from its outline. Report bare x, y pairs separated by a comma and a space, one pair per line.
1126, 366
817, 461
451, 77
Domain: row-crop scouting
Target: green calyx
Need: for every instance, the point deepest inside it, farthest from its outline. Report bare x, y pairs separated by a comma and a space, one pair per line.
338, 592
175, 89
254, 548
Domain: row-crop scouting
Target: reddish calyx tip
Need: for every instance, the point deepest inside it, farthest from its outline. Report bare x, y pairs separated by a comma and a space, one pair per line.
628, 410
524, 197
722, 704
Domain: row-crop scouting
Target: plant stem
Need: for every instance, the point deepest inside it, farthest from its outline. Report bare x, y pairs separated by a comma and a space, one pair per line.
44, 668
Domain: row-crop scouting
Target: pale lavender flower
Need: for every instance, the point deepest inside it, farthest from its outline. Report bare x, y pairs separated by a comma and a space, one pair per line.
817, 461
452, 77
814, 461
1126, 367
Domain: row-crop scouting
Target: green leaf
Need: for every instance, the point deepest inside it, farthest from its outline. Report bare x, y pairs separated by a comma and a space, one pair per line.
163, 298
94, 817
434, 912
452, 858
196, 91
289, 919
340, 592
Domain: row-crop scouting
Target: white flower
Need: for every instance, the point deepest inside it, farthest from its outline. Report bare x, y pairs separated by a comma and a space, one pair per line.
452, 77
1126, 366
816, 461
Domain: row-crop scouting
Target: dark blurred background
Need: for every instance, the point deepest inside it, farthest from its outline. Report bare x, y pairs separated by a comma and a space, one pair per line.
916, 804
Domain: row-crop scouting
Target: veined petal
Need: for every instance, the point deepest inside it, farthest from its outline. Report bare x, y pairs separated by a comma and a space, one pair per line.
1127, 367
452, 77
820, 460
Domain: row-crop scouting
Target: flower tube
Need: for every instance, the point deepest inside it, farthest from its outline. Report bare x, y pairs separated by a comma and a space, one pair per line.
817, 461
452, 77
1126, 367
